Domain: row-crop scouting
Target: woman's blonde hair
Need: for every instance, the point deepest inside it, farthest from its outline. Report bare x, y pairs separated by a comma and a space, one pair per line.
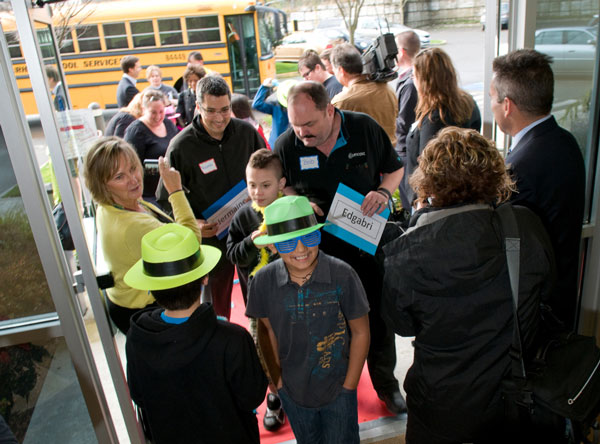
151, 69
135, 106
102, 162
460, 166
438, 88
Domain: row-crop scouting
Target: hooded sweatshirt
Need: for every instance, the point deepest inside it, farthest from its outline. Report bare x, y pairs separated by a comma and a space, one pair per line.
197, 382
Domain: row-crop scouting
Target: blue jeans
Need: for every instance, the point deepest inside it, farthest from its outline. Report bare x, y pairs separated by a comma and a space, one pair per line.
334, 423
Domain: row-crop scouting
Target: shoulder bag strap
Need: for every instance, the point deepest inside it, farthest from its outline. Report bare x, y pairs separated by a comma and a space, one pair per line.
512, 246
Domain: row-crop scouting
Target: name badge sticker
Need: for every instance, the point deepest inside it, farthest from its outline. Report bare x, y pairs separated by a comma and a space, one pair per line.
309, 163
208, 166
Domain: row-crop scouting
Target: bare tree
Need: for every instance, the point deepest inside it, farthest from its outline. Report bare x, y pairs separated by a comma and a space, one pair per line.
350, 10
68, 15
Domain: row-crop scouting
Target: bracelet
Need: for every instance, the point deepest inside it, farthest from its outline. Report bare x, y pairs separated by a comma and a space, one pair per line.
176, 191
385, 192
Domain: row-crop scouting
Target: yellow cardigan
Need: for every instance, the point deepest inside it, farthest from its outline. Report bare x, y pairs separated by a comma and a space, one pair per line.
120, 232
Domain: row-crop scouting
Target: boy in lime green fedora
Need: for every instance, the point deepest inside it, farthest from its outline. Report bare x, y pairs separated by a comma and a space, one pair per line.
316, 312
187, 370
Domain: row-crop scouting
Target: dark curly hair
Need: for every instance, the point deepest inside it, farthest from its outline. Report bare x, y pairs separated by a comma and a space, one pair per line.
460, 166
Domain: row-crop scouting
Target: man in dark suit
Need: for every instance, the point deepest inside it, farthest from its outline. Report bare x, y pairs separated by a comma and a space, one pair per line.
409, 45
126, 90
56, 87
546, 163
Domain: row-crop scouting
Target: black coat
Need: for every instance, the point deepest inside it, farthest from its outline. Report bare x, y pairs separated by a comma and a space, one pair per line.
126, 91
550, 174
197, 382
446, 283
419, 137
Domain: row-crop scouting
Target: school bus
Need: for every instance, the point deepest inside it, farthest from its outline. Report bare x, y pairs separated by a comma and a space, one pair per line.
235, 38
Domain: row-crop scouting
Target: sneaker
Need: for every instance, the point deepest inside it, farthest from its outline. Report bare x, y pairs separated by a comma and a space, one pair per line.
274, 416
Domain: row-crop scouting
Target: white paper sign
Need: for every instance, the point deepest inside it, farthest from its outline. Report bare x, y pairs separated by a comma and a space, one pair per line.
346, 221
77, 130
223, 210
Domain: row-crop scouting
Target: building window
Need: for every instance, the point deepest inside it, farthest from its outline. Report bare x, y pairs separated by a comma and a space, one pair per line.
203, 29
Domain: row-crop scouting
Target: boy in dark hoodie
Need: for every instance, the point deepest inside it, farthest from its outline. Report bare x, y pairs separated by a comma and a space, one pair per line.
195, 378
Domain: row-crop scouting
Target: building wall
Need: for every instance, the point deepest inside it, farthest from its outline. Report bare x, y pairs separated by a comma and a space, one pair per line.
417, 13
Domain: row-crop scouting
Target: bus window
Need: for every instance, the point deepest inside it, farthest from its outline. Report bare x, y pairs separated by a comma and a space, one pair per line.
66, 45
13, 44
115, 35
169, 31
142, 33
46, 46
88, 38
203, 29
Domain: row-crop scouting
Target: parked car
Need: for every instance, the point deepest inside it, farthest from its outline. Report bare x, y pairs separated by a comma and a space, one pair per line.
573, 49
504, 8
294, 45
373, 27
368, 28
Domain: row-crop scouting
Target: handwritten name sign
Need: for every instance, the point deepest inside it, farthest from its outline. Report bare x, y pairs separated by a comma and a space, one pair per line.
346, 221
222, 211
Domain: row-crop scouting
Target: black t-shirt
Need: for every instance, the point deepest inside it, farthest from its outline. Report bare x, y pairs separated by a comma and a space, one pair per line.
149, 146
363, 152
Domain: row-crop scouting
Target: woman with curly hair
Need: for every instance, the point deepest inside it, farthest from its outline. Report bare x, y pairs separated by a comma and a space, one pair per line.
441, 103
447, 284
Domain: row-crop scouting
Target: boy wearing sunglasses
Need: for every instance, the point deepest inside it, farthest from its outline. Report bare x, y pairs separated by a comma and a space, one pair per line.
316, 313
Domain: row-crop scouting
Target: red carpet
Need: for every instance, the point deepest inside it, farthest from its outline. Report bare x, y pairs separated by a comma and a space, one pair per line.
369, 406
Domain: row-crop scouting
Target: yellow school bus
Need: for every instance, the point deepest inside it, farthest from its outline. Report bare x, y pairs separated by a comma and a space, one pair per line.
234, 37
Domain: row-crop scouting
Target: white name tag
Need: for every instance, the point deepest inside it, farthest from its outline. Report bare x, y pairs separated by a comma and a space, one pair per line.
208, 166
309, 162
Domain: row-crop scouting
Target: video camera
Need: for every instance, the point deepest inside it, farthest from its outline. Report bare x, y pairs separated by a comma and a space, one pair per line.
379, 59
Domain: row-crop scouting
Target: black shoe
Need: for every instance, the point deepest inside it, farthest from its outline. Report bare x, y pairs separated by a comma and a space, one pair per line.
274, 416
394, 401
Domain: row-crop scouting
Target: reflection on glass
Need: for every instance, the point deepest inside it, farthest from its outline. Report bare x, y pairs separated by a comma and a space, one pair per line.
568, 35
40, 397
23, 291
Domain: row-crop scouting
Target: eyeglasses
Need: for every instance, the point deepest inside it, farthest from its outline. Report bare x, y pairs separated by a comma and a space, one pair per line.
211, 112
308, 240
307, 73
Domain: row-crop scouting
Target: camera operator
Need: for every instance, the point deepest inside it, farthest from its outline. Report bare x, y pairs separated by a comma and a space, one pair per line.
360, 92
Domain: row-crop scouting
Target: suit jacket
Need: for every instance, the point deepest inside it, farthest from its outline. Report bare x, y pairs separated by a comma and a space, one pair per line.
125, 92
550, 175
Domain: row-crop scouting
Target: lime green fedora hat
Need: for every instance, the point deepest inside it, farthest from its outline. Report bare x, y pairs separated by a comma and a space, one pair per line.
286, 218
171, 257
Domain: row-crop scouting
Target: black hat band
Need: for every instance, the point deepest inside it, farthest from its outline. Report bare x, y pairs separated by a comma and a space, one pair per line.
291, 225
173, 268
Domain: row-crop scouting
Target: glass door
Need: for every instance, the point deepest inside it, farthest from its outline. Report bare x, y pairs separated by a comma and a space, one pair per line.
56, 336
243, 55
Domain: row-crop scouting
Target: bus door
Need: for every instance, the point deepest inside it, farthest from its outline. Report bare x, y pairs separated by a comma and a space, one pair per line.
243, 53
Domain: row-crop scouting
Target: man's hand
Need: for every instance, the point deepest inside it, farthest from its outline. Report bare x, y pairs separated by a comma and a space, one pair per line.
317, 209
208, 230
374, 202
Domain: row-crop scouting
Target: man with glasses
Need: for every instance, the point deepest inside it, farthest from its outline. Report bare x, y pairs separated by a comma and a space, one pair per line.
211, 154
312, 68
326, 147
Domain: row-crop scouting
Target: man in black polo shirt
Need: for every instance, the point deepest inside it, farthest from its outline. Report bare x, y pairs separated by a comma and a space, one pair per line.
325, 147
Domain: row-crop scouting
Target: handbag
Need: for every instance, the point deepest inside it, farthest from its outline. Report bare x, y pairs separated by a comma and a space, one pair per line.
562, 379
